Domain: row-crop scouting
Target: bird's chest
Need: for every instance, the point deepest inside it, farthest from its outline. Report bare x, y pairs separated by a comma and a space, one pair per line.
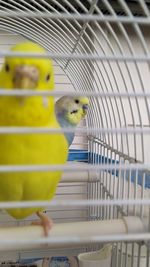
28, 150
32, 149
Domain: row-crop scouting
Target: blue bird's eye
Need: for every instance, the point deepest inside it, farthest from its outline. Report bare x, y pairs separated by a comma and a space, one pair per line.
76, 101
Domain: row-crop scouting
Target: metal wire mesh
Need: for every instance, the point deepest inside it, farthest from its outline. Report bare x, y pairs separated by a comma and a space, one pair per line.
100, 49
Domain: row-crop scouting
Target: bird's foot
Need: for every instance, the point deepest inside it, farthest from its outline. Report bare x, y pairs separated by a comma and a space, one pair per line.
45, 221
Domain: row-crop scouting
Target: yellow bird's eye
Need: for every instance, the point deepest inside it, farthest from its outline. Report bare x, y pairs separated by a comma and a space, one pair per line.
48, 77
7, 68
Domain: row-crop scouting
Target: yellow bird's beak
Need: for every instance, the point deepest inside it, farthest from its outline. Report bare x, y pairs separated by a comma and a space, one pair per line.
25, 77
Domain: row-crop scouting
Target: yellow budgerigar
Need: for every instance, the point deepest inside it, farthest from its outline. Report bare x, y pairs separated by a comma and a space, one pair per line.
29, 149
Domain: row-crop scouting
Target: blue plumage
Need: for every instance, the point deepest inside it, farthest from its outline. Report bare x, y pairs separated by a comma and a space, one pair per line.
69, 112
63, 121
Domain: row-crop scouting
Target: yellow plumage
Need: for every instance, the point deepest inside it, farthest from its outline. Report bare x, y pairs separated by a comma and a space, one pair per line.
29, 148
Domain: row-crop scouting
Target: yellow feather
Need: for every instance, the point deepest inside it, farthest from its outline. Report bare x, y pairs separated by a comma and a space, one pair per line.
29, 148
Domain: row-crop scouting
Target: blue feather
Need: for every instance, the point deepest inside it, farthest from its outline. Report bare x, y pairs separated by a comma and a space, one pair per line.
65, 123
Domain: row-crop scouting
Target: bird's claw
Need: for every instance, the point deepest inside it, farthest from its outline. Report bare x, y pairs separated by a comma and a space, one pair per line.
45, 222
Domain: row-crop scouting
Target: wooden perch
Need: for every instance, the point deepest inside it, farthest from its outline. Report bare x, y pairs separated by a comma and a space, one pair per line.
65, 234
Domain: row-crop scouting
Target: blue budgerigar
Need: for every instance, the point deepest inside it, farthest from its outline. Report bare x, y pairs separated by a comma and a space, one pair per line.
70, 111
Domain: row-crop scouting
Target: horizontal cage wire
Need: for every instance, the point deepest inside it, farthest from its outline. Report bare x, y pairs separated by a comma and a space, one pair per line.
101, 208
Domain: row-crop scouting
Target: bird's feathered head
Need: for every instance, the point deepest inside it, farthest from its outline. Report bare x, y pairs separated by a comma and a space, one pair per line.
73, 109
28, 72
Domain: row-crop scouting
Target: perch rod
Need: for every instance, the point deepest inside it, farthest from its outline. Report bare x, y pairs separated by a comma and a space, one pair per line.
66, 234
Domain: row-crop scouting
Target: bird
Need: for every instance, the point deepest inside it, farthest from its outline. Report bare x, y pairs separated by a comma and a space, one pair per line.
29, 149
70, 110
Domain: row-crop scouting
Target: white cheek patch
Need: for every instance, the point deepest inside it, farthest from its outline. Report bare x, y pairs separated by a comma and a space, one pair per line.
45, 102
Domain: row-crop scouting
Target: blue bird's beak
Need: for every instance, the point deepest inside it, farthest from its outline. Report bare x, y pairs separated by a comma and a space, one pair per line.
85, 108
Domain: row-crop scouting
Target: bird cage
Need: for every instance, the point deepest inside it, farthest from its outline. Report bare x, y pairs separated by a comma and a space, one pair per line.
100, 49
